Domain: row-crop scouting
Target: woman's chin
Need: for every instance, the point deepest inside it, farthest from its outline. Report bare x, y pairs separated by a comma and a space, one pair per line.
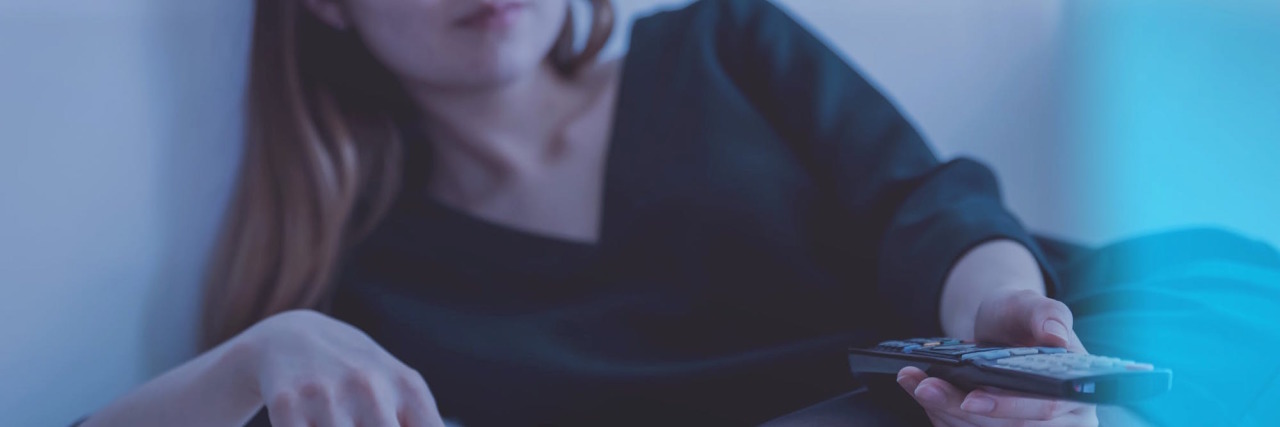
495, 74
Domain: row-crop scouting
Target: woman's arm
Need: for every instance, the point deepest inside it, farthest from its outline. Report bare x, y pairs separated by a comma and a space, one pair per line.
909, 216
211, 390
307, 368
923, 228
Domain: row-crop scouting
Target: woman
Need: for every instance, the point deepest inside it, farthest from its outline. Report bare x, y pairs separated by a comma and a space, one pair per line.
494, 227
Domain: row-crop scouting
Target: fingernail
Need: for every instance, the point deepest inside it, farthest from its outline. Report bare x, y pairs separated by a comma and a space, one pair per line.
978, 404
902, 375
1057, 329
930, 394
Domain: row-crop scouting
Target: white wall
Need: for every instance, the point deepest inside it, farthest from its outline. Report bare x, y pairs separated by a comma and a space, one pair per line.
117, 139
979, 77
118, 136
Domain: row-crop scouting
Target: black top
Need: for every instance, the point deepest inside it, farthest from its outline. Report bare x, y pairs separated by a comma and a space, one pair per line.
765, 207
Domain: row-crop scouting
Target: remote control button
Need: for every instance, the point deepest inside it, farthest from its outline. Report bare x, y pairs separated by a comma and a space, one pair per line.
1002, 365
953, 351
987, 355
1036, 366
954, 347
1020, 351
1102, 364
929, 342
1051, 350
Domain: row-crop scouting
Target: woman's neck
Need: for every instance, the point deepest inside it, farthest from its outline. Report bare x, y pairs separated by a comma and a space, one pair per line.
530, 155
500, 126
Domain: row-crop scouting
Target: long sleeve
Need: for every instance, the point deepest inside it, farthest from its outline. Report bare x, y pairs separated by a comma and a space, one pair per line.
913, 216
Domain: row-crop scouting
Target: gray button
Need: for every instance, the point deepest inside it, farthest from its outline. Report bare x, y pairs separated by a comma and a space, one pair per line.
986, 355
954, 347
1023, 351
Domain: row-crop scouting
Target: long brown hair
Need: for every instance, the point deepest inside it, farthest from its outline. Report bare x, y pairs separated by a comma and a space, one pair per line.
321, 161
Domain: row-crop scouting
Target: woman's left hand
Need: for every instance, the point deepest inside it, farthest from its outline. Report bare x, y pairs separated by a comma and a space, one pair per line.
1023, 318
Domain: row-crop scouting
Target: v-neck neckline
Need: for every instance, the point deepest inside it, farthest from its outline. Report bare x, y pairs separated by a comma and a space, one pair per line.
616, 138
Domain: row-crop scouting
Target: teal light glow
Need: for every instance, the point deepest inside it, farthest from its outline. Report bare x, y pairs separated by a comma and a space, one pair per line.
1177, 114
1176, 124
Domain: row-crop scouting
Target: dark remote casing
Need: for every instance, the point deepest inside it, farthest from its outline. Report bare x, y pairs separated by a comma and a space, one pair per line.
1046, 371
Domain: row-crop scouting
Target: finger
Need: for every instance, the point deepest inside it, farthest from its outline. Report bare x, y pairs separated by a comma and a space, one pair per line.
383, 415
1027, 318
1051, 322
1068, 420
1086, 417
317, 406
947, 419
419, 414
1019, 407
937, 394
417, 406
282, 410
910, 377
942, 400
369, 404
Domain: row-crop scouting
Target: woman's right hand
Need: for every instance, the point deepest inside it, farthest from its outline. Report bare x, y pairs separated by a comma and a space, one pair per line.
312, 370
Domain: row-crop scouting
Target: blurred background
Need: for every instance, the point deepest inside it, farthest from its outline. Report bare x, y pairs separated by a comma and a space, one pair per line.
119, 126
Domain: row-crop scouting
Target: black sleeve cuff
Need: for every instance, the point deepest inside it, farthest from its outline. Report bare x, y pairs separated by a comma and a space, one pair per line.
956, 209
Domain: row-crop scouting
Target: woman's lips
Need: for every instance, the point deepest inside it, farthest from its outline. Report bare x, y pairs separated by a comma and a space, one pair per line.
493, 15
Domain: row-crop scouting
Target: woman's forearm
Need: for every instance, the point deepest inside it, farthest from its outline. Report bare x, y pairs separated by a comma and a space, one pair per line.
212, 390
998, 265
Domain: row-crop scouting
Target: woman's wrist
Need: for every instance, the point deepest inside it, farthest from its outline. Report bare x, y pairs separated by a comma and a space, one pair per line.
215, 389
237, 363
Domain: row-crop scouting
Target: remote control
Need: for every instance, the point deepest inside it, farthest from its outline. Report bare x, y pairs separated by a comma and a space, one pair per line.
1047, 371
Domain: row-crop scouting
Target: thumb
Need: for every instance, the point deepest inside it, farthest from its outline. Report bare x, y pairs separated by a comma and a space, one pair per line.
1026, 318
1050, 322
